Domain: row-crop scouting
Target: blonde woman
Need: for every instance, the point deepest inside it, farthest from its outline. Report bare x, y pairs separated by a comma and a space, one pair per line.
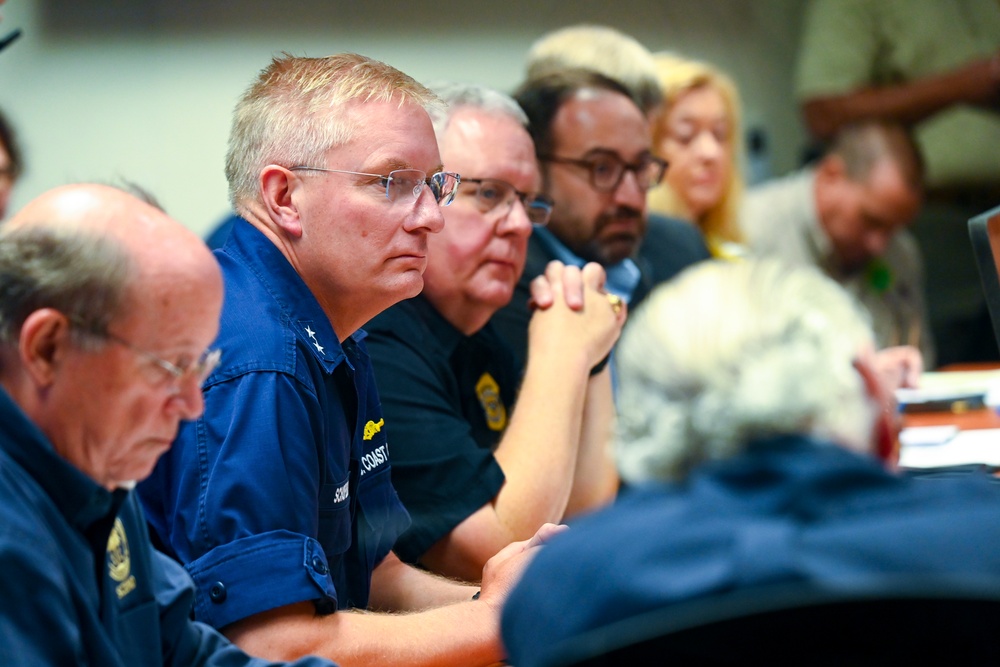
698, 132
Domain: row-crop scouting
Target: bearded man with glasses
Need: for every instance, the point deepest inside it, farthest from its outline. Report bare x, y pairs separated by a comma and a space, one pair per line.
475, 472
593, 145
279, 498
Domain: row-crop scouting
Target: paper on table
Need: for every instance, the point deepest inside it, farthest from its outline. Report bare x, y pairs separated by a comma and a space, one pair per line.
942, 386
926, 436
967, 447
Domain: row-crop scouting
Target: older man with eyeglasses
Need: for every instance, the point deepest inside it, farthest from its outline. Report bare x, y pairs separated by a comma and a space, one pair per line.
279, 498
106, 309
593, 145
475, 472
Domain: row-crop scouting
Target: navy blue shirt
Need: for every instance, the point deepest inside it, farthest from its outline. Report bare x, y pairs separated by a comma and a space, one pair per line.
447, 400
281, 491
786, 510
81, 584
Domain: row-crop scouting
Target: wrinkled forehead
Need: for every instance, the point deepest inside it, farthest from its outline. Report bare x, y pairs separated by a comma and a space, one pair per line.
386, 136
489, 144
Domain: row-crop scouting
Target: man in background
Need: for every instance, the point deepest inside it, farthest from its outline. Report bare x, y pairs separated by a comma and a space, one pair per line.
475, 472
279, 498
758, 444
11, 163
593, 146
936, 67
106, 309
668, 244
849, 216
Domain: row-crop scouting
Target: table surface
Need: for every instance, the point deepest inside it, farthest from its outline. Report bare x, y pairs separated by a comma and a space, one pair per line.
964, 419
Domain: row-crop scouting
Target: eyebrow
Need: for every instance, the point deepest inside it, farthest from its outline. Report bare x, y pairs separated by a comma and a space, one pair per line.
393, 164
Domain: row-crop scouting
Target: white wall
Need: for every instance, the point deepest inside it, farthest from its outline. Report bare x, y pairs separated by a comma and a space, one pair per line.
110, 89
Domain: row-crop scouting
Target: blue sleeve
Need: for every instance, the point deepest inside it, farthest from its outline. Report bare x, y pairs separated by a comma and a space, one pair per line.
47, 630
191, 643
244, 494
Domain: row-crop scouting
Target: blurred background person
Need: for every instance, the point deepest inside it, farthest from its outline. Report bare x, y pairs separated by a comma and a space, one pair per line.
934, 66
849, 216
601, 49
11, 163
698, 132
758, 445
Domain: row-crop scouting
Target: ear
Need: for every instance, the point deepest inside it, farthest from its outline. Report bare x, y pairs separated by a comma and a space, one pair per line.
43, 341
885, 428
278, 187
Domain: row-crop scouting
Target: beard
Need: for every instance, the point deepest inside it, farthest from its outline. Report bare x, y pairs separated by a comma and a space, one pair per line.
617, 234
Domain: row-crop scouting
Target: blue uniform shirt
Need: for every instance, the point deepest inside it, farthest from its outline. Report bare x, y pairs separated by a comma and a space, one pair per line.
280, 492
81, 584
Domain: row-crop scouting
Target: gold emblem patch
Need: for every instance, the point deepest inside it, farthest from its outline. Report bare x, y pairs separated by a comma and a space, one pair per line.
488, 392
371, 428
119, 560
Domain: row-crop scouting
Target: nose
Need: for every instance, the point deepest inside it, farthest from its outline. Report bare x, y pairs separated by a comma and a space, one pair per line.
708, 147
188, 401
426, 214
629, 192
516, 221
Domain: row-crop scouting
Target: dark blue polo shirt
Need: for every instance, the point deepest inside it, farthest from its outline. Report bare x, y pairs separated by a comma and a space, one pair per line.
447, 400
80, 582
281, 491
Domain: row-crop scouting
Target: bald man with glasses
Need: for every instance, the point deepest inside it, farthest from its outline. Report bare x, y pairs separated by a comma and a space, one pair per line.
279, 499
475, 472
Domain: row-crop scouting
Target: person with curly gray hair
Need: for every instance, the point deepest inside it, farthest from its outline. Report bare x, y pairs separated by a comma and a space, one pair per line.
758, 444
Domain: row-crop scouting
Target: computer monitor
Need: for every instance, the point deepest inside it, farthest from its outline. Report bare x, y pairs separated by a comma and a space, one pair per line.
984, 230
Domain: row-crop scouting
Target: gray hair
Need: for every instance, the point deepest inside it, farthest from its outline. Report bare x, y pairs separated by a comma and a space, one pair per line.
732, 352
471, 95
83, 275
288, 116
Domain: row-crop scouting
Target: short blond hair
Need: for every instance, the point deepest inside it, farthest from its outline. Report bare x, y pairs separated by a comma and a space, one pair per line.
600, 49
289, 116
678, 76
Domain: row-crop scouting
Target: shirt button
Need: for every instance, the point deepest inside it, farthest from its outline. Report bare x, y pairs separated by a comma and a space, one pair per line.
217, 592
319, 565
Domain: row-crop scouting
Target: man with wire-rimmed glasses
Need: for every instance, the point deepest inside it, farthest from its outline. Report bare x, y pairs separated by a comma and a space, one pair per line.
475, 472
107, 311
593, 145
279, 499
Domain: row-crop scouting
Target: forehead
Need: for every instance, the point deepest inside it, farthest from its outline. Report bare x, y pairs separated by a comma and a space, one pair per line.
482, 144
887, 198
703, 102
387, 136
600, 119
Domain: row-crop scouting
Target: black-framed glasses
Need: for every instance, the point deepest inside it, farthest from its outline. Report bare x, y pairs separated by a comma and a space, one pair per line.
493, 194
404, 184
607, 169
198, 368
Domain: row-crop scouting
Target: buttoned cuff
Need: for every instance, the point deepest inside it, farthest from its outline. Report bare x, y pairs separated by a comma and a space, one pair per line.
258, 573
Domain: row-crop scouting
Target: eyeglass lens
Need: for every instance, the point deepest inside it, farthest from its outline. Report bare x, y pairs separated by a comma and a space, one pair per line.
402, 184
491, 194
608, 170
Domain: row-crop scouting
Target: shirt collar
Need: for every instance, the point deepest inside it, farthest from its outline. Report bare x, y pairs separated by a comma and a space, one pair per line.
299, 307
79, 498
622, 278
819, 242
